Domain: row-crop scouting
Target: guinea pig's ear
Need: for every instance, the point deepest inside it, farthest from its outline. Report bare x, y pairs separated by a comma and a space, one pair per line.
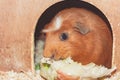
81, 28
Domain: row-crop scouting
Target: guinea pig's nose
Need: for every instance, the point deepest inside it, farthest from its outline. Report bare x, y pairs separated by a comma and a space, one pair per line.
55, 55
52, 56
47, 54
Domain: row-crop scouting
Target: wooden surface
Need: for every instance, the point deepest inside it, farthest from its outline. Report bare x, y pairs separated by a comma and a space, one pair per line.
18, 19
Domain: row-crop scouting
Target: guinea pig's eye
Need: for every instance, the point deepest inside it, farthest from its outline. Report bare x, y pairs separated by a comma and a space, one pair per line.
63, 36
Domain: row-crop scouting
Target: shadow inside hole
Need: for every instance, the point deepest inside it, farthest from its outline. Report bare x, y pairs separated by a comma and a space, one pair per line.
50, 12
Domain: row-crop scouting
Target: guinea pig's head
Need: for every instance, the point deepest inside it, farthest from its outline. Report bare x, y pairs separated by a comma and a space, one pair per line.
71, 33
63, 36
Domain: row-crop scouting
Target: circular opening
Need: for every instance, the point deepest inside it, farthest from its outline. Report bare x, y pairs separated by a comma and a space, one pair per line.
49, 13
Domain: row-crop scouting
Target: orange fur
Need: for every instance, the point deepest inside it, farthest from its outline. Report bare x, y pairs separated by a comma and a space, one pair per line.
95, 46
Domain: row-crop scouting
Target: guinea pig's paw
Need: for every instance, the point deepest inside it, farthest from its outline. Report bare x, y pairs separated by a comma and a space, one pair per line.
62, 76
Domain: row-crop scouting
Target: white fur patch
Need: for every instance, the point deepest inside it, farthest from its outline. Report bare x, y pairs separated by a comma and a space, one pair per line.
57, 25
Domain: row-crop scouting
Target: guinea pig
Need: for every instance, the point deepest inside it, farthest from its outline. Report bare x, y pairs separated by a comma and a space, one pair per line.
80, 34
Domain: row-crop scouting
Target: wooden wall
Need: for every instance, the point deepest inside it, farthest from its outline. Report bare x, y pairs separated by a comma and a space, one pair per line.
18, 19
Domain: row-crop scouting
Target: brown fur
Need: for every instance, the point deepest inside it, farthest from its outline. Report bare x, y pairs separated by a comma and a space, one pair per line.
93, 46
